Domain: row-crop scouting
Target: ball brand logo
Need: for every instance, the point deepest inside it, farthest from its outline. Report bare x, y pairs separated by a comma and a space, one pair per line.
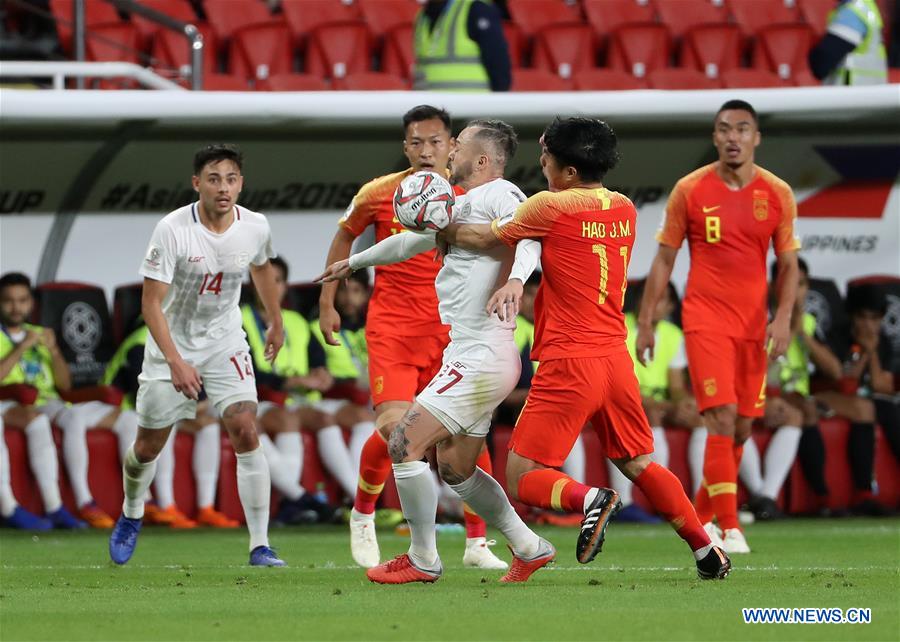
81, 327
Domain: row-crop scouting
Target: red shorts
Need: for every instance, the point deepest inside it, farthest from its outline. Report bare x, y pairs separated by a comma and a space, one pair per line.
400, 367
567, 393
726, 370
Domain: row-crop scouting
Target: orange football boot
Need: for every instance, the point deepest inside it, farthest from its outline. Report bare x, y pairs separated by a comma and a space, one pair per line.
95, 516
401, 570
209, 516
521, 569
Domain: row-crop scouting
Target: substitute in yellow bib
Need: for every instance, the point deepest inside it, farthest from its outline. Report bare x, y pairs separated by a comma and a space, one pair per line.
460, 46
852, 51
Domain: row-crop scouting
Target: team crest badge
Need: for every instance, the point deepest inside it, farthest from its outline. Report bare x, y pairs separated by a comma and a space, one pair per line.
760, 205
379, 385
242, 260
709, 387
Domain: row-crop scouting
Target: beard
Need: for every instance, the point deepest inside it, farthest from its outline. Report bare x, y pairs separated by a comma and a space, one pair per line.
459, 173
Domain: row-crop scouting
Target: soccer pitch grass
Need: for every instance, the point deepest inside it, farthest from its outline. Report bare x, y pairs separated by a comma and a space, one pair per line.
194, 585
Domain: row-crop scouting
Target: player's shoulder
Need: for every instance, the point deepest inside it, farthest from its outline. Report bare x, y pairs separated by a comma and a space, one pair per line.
689, 181
249, 217
497, 190
777, 185
182, 217
381, 185
618, 199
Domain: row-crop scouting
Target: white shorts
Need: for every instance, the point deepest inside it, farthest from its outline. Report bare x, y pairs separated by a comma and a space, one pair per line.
227, 378
473, 380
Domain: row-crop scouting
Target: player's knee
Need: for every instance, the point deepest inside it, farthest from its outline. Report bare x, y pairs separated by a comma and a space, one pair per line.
401, 449
721, 420
147, 447
632, 468
454, 474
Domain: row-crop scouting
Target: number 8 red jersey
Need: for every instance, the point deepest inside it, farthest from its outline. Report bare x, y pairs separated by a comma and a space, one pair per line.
586, 238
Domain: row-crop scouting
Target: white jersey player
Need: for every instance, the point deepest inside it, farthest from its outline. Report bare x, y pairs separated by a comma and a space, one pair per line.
192, 273
480, 366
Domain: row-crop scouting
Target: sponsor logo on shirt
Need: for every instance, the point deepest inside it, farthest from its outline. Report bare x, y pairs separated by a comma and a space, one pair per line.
195, 259
711, 208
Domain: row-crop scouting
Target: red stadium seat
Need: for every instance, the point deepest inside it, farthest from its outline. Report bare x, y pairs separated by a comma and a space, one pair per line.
383, 15
338, 49
259, 50
712, 49
753, 15
680, 79
293, 82
226, 16
398, 55
750, 78
894, 75
815, 14
225, 82
681, 15
605, 16
95, 13
640, 48
515, 42
784, 50
178, 9
564, 49
532, 16
112, 42
171, 49
538, 80
371, 81
606, 80
302, 16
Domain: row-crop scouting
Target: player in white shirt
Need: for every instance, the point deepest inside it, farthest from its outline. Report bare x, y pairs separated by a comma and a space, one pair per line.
480, 366
192, 273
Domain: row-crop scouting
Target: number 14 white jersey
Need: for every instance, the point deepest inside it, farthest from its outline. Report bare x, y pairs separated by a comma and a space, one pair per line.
204, 271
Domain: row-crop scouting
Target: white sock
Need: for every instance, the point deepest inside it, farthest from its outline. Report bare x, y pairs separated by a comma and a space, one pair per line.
696, 452
359, 434
574, 465
205, 463
486, 497
44, 464
750, 470
660, 447
336, 458
136, 478
8, 501
255, 491
780, 457
619, 483
589, 497
449, 500
419, 502
164, 481
75, 453
284, 481
290, 447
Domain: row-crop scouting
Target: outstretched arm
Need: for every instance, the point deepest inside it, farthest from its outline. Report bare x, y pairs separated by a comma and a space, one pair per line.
469, 236
395, 249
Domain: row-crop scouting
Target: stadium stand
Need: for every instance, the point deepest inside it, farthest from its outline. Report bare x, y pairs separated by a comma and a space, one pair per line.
784, 50
640, 48
712, 49
293, 82
371, 81
753, 15
607, 80
564, 49
169, 51
680, 16
606, 16
338, 49
178, 9
227, 16
383, 15
397, 56
532, 16
515, 42
96, 13
680, 79
539, 80
260, 50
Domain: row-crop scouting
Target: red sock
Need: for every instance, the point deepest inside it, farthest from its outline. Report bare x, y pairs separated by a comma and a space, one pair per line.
720, 474
374, 468
549, 488
738, 452
475, 526
664, 491
702, 504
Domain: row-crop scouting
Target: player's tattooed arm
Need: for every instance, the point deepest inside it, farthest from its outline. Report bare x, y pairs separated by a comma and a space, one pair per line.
469, 236
398, 444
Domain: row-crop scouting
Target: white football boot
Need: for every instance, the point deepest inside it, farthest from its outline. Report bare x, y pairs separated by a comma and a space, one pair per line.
363, 543
715, 535
735, 542
478, 555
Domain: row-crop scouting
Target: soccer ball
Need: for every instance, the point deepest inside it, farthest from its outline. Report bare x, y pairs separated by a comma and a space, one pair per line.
424, 201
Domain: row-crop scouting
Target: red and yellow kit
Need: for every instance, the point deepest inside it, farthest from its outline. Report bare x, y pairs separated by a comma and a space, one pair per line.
586, 240
404, 333
725, 305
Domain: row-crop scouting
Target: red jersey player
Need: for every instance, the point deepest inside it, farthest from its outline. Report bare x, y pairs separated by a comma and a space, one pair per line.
404, 333
586, 234
729, 211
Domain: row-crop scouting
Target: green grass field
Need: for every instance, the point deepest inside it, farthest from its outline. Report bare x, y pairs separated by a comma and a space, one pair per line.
195, 586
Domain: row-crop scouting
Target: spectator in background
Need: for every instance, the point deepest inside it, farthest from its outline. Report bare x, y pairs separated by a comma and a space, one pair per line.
122, 372
851, 52
300, 376
460, 46
860, 377
30, 355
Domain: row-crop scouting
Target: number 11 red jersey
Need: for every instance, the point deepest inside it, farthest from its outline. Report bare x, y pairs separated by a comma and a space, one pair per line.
586, 239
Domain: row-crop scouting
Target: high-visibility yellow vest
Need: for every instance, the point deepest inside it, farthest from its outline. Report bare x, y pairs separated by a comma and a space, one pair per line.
654, 377
120, 358
447, 59
867, 64
34, 368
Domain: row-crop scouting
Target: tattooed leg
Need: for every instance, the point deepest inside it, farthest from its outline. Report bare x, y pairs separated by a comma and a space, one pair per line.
239, 421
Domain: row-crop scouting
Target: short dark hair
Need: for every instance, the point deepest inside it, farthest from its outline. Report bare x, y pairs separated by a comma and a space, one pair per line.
361, 277
426, 112
14, 278
773, 269
867, 296
587, 144
279, 262
215, 153
738, 104
499, 134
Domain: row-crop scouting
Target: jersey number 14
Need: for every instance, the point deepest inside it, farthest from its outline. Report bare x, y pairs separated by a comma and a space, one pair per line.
211, 283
